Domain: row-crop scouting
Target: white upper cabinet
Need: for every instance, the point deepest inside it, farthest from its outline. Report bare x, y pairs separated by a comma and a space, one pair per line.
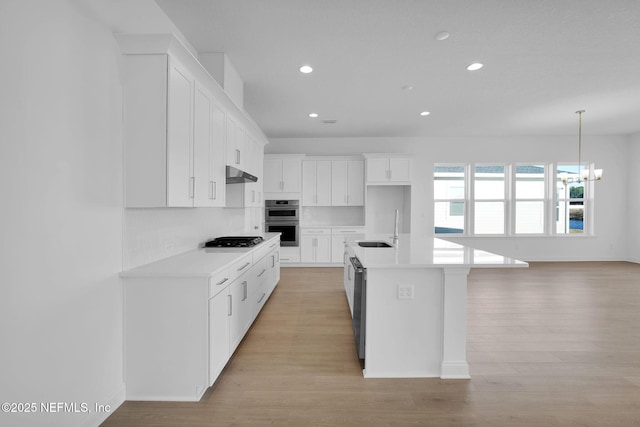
388, 169
180, 174
208, 144
316, 183
347, 183
178, 122
282, 175
158, 97
236, 144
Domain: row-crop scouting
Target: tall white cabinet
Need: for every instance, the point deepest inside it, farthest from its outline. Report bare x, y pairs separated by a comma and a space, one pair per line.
316, 182
208, 144
347, 183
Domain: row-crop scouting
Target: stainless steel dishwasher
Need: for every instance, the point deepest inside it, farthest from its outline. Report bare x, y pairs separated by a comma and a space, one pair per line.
359, 305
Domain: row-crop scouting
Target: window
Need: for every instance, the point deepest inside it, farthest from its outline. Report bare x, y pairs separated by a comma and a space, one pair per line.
530, 199
510, 199
449, 196
489, 199
569, 202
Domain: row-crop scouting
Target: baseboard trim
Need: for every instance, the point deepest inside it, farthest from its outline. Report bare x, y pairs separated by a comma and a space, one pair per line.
98, 417
458, 370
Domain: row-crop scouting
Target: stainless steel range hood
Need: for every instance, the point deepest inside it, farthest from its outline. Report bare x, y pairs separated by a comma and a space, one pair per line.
237, 176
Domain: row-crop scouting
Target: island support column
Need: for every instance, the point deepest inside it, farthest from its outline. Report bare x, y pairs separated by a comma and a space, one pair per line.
454, 325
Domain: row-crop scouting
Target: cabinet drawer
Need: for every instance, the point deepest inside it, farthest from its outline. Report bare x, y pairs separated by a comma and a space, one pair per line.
260, 269
219, 282
316, 231
347, 230
240, 267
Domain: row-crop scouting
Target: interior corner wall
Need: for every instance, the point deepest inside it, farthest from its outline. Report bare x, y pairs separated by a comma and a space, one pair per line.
609, 243
633, 199
61, 228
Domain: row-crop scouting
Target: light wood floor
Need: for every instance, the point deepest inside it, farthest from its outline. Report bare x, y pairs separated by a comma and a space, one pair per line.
557, 344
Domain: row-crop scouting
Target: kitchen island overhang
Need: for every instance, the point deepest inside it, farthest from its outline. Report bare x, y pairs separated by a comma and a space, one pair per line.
416, 304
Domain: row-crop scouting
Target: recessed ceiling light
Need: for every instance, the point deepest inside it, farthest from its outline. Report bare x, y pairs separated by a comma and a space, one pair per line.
475, 66
306, 69
425, 113
407, 87
442, 35
313, 115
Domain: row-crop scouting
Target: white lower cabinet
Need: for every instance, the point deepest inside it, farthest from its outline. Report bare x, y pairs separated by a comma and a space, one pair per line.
240, 312
180, 329
259, 294
326, 245
315, 245
273, 262
219, 312
338, 236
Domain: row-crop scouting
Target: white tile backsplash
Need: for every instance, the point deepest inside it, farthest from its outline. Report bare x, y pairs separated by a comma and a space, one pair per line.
153, 234
332, 215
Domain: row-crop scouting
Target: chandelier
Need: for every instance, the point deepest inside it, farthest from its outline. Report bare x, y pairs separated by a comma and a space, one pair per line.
585, 174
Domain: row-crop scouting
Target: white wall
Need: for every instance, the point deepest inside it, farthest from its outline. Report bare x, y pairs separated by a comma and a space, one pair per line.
633, 199
61, 228
64, 235
609, 153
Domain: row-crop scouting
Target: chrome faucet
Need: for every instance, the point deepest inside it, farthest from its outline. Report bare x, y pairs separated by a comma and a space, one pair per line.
395, 230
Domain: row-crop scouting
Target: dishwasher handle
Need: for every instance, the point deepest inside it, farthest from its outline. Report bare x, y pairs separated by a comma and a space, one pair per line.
357, 265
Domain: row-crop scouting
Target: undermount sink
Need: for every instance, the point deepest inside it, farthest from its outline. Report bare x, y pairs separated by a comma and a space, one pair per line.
372, 244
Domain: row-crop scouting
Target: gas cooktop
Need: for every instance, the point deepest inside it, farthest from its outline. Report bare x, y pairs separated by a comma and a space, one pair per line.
234, 242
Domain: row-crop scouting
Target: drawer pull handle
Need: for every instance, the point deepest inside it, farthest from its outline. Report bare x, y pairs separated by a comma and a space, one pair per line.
244, 285
244, 266
222, 281
261, 298
230, 299
262, 272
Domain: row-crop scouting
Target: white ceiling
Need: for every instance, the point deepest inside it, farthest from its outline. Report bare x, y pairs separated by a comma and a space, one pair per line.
544, 60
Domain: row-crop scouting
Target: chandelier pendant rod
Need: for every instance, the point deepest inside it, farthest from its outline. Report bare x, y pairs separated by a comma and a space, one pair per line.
579, 113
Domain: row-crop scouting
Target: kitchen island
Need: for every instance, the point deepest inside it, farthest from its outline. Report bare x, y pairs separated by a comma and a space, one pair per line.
415, 302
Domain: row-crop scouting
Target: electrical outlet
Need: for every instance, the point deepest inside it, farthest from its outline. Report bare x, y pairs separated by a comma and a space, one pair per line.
405, 291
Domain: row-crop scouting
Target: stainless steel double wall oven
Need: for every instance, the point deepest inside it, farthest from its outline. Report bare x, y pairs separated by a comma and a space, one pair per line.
283, 216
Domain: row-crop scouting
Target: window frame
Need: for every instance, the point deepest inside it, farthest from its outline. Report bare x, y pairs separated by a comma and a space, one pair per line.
464, 200
550, 200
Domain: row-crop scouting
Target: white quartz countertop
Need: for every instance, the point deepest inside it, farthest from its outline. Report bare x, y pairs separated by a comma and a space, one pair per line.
426, 252
201, 262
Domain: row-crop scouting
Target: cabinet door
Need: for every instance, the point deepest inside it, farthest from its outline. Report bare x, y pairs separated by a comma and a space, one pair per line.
217, 175
307, 248
180, 181
339, 183
337, 248
323, 183
233, 157
241, 147
273, 176
309, 188
219, 313
355, 183
202, 144
240, 317
291, 175
378, 170
323, 249
399, 169
274, 268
